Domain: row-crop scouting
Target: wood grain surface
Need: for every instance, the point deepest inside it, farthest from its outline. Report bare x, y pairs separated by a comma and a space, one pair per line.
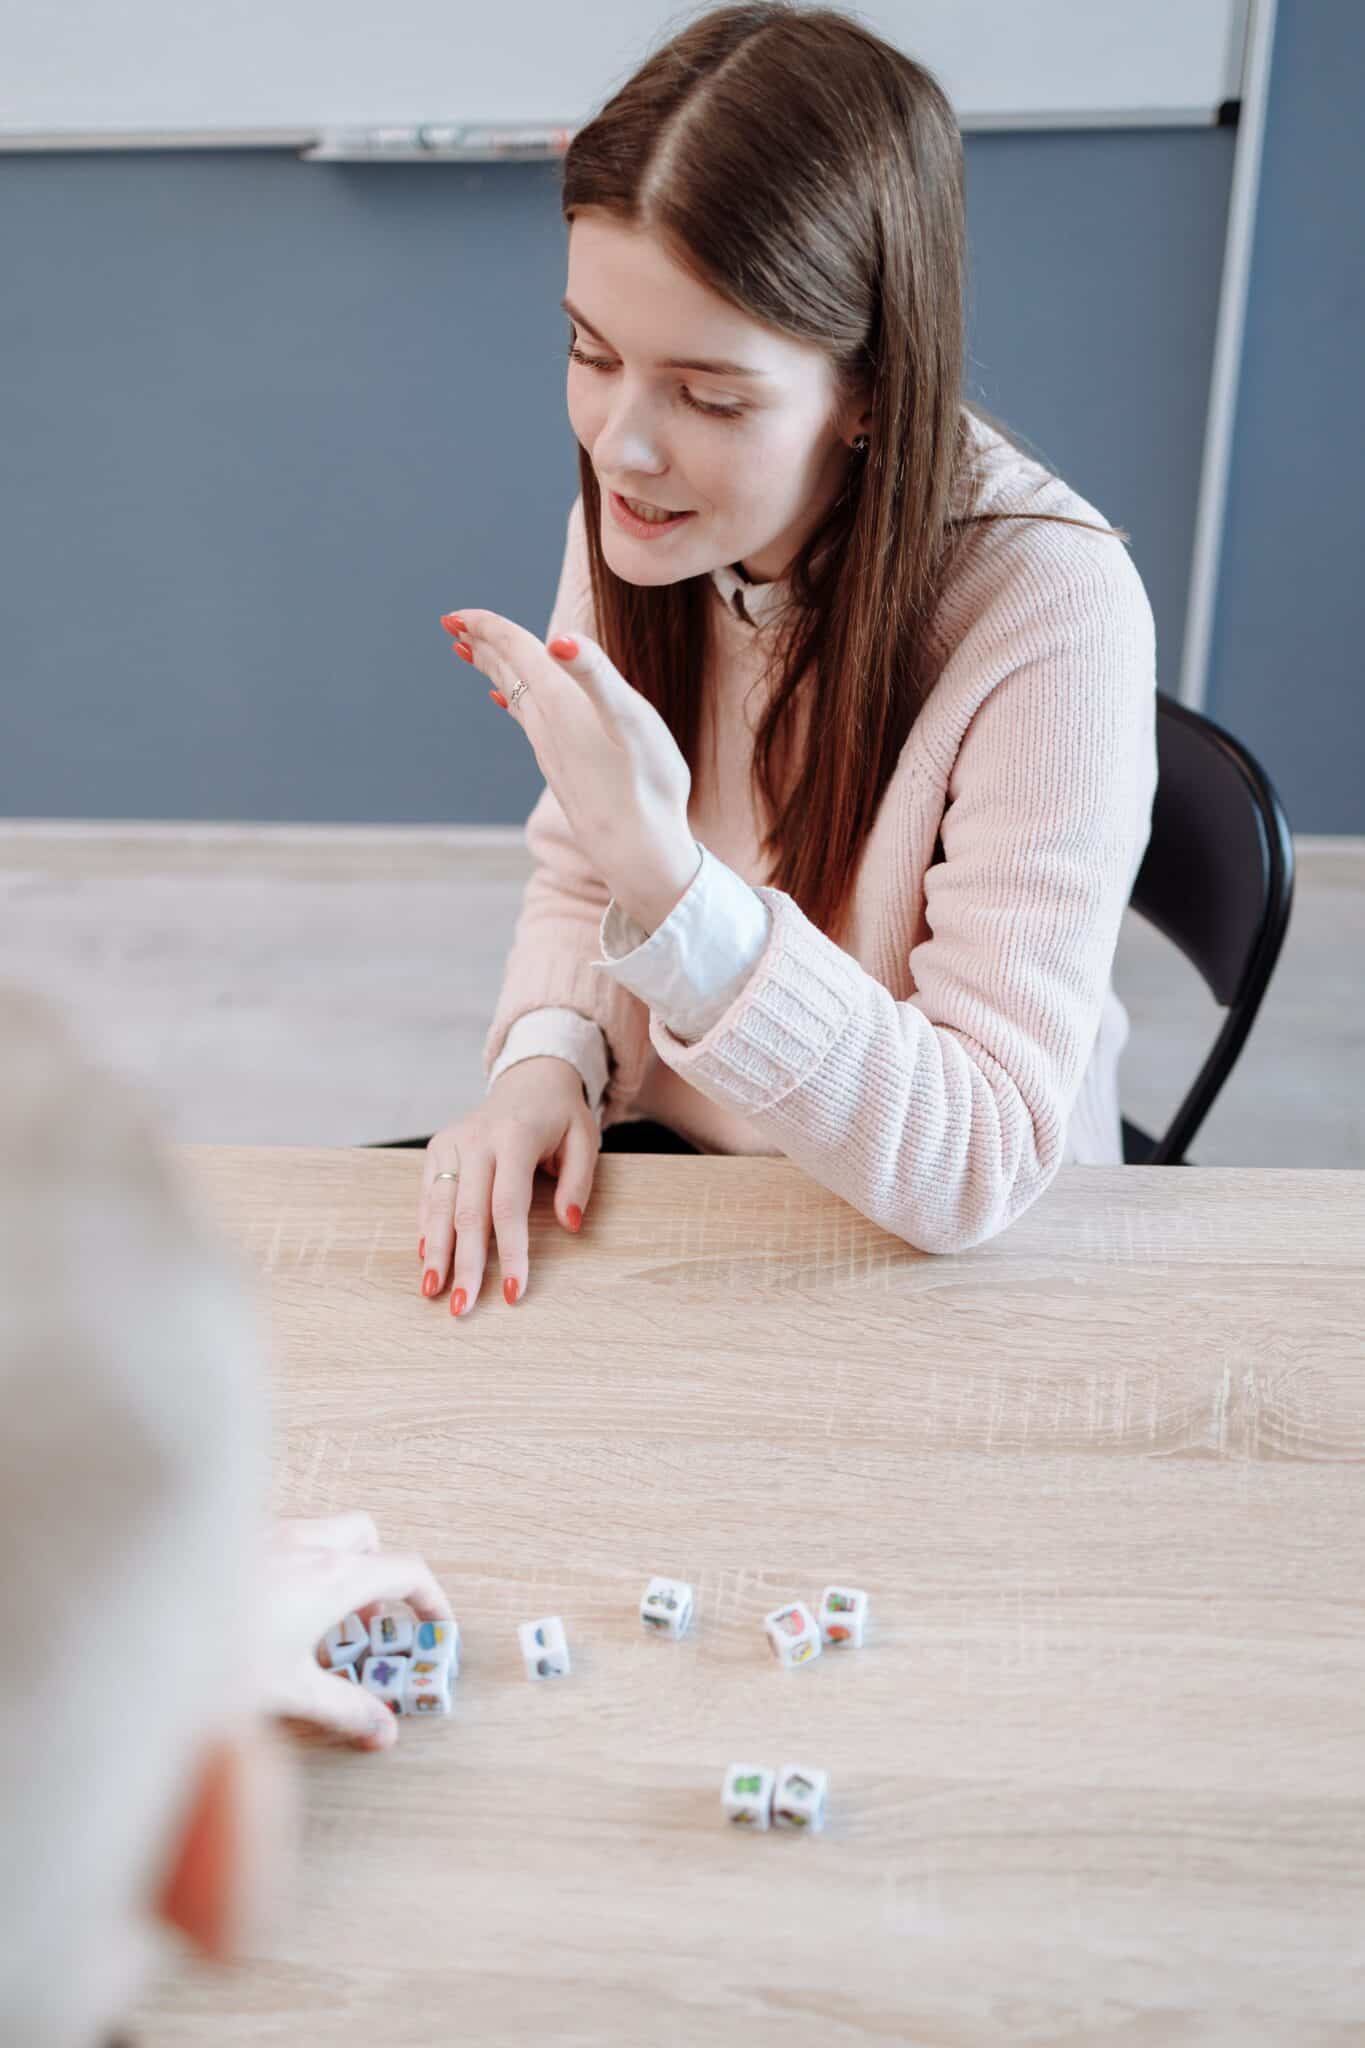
1098, 1776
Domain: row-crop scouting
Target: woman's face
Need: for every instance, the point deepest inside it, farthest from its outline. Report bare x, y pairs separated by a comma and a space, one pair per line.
756, 473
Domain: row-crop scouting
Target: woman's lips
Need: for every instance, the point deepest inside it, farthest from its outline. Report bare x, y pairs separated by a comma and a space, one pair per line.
643, 529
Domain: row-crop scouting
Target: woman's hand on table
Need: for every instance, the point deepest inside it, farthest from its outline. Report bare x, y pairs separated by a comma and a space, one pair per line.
318, 1572
535, 1114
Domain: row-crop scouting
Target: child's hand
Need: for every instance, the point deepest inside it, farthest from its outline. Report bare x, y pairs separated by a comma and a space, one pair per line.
318, 1573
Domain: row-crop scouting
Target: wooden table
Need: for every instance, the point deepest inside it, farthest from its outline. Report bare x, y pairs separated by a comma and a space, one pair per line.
1098, 1775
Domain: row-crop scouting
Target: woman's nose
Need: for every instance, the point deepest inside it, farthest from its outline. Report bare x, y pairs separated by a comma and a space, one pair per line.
625, 447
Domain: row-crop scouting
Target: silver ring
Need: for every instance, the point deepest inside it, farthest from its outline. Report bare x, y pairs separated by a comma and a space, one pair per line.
445, 1176
518, 693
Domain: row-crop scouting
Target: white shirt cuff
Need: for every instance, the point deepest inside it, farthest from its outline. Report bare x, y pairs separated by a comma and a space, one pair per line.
692, 968
564, 1034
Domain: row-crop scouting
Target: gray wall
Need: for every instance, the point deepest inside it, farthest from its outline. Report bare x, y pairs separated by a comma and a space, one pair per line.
262, 421
1288, 665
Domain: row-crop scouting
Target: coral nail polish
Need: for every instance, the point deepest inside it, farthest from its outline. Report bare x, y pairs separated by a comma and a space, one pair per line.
510, 1290
457, 1301
465, 653
498, 698
575, 1216
565, 646
453, 623
422, 1249
431, 1280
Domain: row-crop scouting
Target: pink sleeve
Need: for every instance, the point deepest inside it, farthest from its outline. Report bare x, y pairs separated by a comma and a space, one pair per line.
557, 936
943, 1117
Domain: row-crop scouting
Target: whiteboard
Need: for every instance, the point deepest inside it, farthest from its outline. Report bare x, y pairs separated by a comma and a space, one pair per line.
124, 72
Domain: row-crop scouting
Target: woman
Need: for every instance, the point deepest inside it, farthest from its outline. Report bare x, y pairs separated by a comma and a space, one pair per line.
850, 763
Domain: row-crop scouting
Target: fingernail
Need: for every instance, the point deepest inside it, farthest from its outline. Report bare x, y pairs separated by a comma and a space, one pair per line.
464, 652
498, 698
510, 1290
457, 1302
431, 1280
422, 1249
453, 623
565, 646
575, 1216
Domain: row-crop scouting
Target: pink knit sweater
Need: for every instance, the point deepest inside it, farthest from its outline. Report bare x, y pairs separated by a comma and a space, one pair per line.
937, 1072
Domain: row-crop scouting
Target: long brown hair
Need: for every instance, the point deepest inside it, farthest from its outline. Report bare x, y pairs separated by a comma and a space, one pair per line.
850, 233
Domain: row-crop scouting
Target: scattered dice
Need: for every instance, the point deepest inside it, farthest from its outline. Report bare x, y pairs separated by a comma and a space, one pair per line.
747, 1796
392, 1630
544, 1648
799, 1801
346, 1671
387, 1679
344, 1646
843, 1617
666, 1608
429, 1686
793, 1633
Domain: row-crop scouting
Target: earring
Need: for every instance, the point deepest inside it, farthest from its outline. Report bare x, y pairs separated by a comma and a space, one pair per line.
860, 443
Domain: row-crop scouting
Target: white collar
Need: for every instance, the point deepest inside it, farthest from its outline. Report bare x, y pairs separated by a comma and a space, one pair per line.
758, 602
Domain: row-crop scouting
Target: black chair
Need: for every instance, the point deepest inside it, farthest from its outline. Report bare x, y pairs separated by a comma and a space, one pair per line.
1217, 881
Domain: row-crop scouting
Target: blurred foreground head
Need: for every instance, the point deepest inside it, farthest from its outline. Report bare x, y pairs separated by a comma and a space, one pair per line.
132, 1463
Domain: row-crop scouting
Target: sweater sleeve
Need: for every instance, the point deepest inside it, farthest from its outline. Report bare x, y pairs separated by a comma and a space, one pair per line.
555, 942
562, 1035
942, 1117
691, 967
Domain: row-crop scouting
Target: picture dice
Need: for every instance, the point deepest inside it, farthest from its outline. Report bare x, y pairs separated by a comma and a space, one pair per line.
796, 1635
408, 1663
755, 1797
544, 1648
411, 1665
793, 1633
666, 1607
843, 1617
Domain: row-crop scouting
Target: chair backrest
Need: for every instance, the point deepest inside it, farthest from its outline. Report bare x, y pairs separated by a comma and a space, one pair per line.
1217, 881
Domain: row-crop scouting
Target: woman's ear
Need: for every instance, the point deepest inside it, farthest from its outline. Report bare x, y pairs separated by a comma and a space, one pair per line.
239, 1816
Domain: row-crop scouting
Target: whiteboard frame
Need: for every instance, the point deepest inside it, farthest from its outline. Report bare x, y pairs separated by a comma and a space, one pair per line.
1225, 375
312, 141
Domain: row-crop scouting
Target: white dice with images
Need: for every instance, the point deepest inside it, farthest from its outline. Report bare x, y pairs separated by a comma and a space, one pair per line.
439, 1640
392, 1630
799, 1801
344, 1646
387, 1679
415, 1678
544, 1648
666, 1608
843, 1617
429, 1687
794, 1633
747, 1796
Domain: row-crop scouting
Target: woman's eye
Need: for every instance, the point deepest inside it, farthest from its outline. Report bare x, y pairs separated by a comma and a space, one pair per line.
716, 412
